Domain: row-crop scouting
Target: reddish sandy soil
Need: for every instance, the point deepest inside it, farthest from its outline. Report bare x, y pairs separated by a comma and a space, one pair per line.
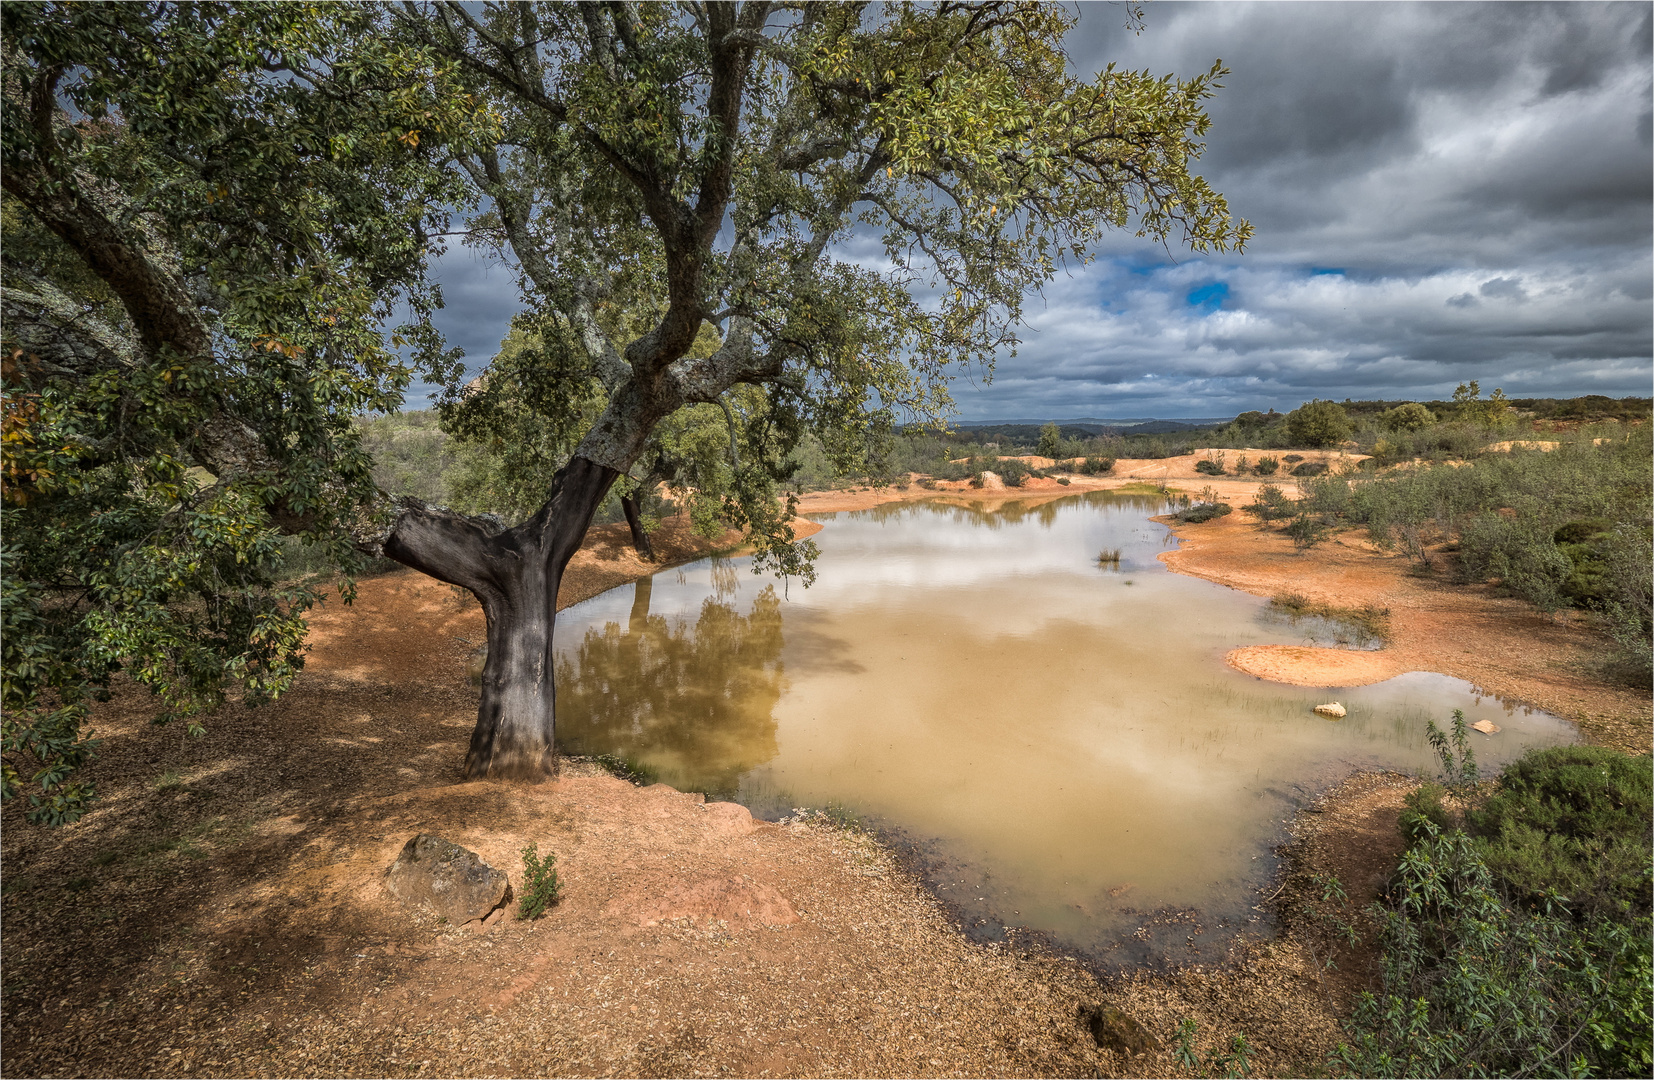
1501, 644
223, 912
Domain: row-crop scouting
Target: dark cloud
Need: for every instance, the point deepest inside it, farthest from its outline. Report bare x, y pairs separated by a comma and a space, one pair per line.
1441, 192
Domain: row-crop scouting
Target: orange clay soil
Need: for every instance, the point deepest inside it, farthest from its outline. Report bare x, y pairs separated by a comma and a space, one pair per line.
1503, 645
222, 913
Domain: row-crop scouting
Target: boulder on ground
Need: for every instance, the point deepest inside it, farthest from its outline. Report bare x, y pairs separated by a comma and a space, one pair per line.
1113, 1030
454, 882
1331, 709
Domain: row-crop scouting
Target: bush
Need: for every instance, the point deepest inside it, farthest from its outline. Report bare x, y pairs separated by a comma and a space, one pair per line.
541, 889
1310, 468
1209, 468
1318, 423
1010, 470
1307, 530
1473, 986
1408, 417
1293, 459
1272, 504
1488, 969
1093, 466
1203, 512
1266, 465
1576, 820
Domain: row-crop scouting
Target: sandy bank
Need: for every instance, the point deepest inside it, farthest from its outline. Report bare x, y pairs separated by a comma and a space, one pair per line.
1503, 645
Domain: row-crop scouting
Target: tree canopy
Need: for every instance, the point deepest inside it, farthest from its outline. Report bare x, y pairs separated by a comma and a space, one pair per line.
210, 213
213, 210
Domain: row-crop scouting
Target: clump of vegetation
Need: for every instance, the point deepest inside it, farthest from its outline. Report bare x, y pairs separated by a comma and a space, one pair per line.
1209, 468
541, 889
1267, 465
1368, 621
1202, 512
1230, 1059
1408, 416
1292, 459
1011, 470
1109, 557
1091, 466
1491, 968
1310, 468
1319, 423
1272, 504
1573, 820
1307, 530
1568, 528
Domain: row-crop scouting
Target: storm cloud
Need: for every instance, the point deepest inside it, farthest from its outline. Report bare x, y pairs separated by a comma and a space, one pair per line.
1441, 192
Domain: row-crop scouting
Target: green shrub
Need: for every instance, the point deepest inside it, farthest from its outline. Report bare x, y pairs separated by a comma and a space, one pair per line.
1574, 820
1010, 470
1407, 417
1209, 468
1203, 512
1307, 530
1422, 806
1272, 504
1473, 986
1310, 468
1093, 466
541, 889
1318, 423
1266, 465
1293, 459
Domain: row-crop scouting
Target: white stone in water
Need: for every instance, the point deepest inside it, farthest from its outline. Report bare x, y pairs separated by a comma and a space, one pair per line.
1331, 709
1486, 727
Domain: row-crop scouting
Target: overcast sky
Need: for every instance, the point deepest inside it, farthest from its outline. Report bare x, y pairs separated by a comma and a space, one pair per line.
1441, 192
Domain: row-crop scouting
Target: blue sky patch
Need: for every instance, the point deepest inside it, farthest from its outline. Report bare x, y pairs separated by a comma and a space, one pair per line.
1210, 297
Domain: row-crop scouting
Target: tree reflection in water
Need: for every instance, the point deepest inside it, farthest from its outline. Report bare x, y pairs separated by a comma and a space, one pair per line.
695, 702
999, 513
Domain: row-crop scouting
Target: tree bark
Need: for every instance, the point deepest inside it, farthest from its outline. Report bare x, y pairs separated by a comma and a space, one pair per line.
514, 575
634, 521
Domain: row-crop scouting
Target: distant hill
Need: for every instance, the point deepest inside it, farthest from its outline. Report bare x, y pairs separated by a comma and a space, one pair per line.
1028, 433
1094, 423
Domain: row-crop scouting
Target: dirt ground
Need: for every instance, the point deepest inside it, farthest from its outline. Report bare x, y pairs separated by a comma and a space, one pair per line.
222, 914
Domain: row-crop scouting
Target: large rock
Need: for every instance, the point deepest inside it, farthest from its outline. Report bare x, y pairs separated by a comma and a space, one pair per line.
450, 880
1332, 710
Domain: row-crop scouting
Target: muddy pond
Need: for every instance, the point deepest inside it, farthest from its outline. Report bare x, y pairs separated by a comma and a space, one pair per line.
1055, 739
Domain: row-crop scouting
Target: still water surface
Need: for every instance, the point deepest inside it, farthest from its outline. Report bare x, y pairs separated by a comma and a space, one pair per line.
1062, 737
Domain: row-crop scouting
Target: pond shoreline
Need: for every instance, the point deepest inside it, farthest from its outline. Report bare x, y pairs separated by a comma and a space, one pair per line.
232, 882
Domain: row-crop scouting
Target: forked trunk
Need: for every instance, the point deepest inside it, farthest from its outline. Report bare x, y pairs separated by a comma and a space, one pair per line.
515, 575
634, 521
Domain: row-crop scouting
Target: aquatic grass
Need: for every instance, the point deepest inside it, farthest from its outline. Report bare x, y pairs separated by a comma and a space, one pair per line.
1369, 620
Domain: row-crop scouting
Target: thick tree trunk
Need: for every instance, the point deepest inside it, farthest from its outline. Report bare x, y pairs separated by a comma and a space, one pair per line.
515, 575
634, 521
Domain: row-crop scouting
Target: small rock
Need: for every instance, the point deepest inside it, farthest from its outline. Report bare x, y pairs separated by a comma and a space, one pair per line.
452, 881
1331, 709
1486, 727
1113, 1030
